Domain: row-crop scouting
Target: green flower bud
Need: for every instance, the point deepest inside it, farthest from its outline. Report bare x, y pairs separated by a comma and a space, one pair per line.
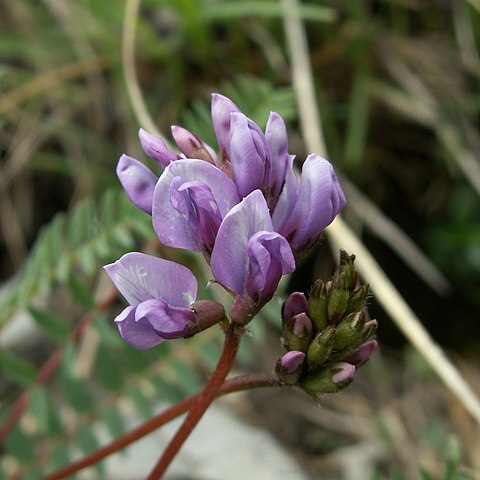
349, 331
357, 300
298, 332
338, 297
330, 379
317, 305
347, 267
321, 347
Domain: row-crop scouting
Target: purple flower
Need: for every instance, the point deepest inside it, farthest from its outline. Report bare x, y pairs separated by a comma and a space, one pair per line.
160, 293
307, 206
189, 202
295, 303
192, 146
249, 258
138, 182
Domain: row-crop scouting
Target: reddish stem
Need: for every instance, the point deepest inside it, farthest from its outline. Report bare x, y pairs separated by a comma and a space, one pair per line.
206, 397
246, 382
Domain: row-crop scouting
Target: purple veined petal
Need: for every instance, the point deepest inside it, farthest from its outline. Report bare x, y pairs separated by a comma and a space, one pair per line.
156, 149
222, 107
139, 334
287, 198
269, 257
170, 224
249, 155
277, 143
229, 261
140, 277
138, 182
168, 322
320, 199
192, 146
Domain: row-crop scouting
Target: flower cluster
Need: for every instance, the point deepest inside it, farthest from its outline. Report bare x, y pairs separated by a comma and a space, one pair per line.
245, 209
328, 336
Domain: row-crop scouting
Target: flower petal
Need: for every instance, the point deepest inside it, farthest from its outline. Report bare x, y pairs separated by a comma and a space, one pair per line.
156, 149
229, 261
320, 198
248, 155
139, 334
140, 277
168, 322
169, 220
222, 107
138, 182
192, 146
277, 142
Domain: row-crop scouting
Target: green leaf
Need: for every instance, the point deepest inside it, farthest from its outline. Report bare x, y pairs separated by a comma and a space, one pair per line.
77, 393
17, 368
108, 372
38, 404
50, 323
142, 404
113, 420
20, 445
81, 292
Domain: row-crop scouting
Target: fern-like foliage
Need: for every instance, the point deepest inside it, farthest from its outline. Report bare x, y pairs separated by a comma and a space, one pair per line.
93, 234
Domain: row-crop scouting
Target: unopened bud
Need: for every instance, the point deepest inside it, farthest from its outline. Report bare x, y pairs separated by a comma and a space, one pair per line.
369, 329
362, 354
298, 332
330, 379
338, 297
356, 302
289, 367
347, 267
317, 305
295, 303
350, 331
321, 347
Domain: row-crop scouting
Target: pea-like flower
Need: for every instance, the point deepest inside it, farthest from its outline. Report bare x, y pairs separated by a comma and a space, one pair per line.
160, 294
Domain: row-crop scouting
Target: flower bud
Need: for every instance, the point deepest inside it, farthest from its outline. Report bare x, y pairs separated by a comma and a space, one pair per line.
362, 354
357, 300
347, 267
289, 367
317, 305
330, 379
349, 331
321, 347
298, 332
295, 303
338, 297
369, 329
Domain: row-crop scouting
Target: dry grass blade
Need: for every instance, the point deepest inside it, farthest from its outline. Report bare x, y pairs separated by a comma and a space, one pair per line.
341, 235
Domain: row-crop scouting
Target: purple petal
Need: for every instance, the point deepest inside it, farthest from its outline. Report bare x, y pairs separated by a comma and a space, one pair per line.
170, 220
168, 322
156, 149
342, 372
362, 354
320, 198
222, 107
138, 182
141, 277
277, 142
287, 198
139, 334
229, 261
269, 257
192, 146
248, 155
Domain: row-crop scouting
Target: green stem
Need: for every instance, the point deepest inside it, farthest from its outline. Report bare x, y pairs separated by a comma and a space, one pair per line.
205, 398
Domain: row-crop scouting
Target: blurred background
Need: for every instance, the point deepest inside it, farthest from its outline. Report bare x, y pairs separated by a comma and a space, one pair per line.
398, 85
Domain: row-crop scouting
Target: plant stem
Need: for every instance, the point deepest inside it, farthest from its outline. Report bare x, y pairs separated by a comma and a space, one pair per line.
244, 382
205, 398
